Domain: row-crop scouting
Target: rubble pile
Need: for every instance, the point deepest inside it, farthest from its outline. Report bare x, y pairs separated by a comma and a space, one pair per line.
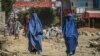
2, 41
92, 32
95, 43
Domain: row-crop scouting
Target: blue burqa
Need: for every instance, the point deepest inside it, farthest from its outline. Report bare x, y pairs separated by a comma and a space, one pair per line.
35, 33
70, 34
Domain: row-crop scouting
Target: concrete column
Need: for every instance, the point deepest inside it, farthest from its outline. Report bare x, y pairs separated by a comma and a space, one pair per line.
0, 5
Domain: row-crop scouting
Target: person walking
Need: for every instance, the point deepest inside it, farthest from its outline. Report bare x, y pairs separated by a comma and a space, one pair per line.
26, 25
35, 34
10, 22
70, 33
17, 29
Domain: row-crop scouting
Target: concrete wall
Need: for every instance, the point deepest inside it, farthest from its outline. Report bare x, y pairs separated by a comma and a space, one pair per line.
96, 4
82, 3
0, 5
90, 3
2, 22
66, 4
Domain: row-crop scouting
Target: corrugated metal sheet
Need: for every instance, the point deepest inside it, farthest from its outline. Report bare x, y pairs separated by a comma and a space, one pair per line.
91, 14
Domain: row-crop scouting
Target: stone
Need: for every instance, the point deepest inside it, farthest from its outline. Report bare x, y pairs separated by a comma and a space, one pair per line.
80, 32
94, 44
94, 34
86, 33
98, 48
98, 33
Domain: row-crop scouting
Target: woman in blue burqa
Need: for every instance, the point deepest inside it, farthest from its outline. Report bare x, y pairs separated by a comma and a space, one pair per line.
35, 34
70, 34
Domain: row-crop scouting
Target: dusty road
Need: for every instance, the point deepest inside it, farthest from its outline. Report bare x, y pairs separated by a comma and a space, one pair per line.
51, 47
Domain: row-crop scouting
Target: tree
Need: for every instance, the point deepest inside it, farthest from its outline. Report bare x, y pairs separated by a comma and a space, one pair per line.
7, 6
46, 15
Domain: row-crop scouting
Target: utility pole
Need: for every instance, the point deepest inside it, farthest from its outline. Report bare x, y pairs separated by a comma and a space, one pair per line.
59, 4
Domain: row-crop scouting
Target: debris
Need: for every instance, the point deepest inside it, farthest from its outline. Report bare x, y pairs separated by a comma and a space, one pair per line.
94, 44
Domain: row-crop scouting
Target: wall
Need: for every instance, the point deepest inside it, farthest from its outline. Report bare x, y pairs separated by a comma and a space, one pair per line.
2, 20
66, 4
82, 3
0, 5
96, 4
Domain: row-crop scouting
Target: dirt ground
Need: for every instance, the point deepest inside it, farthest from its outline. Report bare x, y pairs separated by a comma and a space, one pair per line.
94, 30
51, 47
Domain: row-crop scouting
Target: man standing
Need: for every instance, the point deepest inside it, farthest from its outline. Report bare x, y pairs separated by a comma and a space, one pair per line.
26, 20
11, 24
70, 34
17, 29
